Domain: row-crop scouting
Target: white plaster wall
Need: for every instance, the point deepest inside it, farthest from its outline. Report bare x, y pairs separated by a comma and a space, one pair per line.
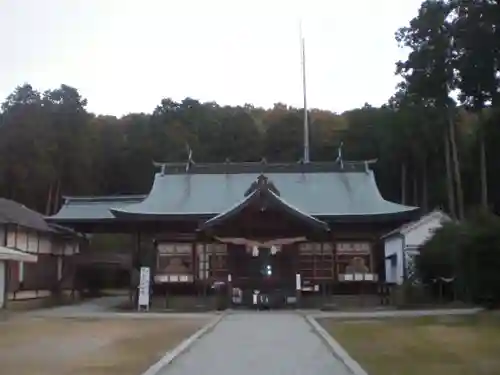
66, 248
71, 248
45, 246
418, 235
394, 245
17, 240
29, 241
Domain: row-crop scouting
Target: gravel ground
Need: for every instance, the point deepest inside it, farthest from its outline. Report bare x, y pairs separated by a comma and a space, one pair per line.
56, 346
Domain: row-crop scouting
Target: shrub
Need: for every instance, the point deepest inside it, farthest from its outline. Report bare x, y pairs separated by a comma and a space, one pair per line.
468, 253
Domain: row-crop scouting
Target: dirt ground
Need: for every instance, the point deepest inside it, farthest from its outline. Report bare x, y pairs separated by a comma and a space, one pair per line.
431, 345
58, 346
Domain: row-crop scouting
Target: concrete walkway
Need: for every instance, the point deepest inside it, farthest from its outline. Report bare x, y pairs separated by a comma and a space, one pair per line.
258, 343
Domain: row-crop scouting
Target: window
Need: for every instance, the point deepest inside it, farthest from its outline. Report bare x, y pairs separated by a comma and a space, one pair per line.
175, 262
212, 260
316, 260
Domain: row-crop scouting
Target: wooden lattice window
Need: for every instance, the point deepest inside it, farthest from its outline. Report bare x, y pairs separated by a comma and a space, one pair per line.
175, 262
316, 260
212, 260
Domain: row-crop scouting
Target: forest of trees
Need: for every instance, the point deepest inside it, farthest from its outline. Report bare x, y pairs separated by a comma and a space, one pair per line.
436, 140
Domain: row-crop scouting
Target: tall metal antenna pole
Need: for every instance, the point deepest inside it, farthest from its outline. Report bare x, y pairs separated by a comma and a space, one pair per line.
306, 123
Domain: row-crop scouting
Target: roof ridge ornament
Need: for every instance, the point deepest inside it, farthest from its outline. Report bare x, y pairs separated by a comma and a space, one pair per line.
190, 160
162, 167
262, 183
339, 155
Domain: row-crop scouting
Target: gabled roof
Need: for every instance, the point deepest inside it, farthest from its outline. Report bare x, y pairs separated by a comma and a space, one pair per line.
15, 213
408, 227
12, 212
264, 192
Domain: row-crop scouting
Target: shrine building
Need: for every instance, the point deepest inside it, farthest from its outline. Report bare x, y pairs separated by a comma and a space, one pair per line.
280, 229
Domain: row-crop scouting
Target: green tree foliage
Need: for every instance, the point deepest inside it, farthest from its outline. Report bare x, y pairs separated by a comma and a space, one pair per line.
467, 252
426, 142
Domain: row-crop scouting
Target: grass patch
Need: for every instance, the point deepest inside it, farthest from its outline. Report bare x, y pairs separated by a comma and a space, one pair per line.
458, 345
121, 346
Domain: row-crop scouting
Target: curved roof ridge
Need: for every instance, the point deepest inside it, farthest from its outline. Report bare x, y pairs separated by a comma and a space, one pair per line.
266, 189
265, 167
349, 195
100, 198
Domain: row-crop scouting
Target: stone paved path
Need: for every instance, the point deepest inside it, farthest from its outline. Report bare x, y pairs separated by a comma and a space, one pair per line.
264, 343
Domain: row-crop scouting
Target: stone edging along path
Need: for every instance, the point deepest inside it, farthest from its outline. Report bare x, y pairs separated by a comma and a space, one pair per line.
182, 347
337, 350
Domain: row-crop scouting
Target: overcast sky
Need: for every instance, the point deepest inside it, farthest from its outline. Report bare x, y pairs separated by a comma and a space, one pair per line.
125, 55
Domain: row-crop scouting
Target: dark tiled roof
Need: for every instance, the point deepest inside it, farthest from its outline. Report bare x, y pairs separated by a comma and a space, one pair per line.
15, 213
316, 193
93, 208
316, 189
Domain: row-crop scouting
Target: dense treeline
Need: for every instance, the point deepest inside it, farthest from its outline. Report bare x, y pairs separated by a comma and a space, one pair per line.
432, 150
454, 62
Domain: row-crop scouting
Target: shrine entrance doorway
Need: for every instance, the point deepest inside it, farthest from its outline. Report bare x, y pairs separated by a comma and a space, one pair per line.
266, 272
262, 233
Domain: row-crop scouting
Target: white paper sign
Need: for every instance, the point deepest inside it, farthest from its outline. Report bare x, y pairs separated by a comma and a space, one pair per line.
144, 280
298, 282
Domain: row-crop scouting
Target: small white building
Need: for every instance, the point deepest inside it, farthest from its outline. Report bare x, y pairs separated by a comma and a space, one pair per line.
403, 243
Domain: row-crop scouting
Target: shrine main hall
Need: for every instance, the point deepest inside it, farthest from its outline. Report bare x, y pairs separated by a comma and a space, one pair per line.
277, 229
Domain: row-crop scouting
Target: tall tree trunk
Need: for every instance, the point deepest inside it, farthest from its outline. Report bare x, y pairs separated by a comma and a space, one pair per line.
48, 206
403, 183
425, 192
482, 163
456, 168
57, 197
415, 189
449, 176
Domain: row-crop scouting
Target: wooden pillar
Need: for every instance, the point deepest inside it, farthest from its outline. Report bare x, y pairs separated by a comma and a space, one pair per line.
131, 275
335, 264
193, 260
296, 269
211, 264
323, 278
134, 267
371, 267
138, 265
205, 272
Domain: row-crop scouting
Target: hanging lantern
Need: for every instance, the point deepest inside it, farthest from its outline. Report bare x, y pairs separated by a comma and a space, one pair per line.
255, 251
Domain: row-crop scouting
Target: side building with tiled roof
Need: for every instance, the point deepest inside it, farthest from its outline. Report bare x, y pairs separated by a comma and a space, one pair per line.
282, 229
35, 256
